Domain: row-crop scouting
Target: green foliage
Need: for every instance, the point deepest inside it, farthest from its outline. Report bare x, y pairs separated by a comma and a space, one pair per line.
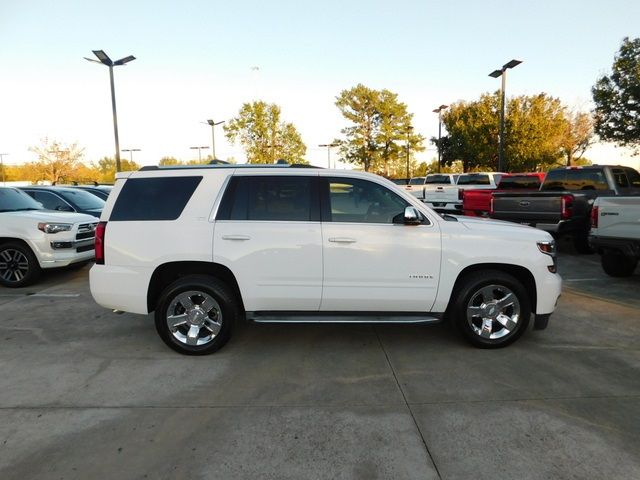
617, 98
264, 136
165, 161
538, 131
107, 168
577, 137
380, 136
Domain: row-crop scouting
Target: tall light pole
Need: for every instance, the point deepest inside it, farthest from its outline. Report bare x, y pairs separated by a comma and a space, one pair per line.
329, 147
502, 72
409, 129
199, 151
2, 166
213, 135
131, 150
439, 112
105, 60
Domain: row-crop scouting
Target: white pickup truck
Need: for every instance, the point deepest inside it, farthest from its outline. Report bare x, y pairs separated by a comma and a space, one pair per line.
615, 233
32, 239
449, 198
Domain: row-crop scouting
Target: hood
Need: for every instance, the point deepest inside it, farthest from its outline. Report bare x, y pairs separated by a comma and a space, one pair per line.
53, 216
501, 227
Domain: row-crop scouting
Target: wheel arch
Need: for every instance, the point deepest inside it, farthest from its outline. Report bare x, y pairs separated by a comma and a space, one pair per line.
167, 273
521, 273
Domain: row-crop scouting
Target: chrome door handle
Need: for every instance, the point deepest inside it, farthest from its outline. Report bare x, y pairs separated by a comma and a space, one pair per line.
342, 240
236, 237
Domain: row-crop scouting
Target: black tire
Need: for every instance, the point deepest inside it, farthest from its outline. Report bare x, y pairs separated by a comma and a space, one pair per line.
19, 267
581, 243
469, 299
616, 264
223, 314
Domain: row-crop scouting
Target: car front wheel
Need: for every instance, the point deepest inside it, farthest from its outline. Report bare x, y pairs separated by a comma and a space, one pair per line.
18, 265
491, 309
195, 314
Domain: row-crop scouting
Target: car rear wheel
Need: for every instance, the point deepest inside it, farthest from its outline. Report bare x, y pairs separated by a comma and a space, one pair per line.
615, 264
195, 314
491, 309
18, 265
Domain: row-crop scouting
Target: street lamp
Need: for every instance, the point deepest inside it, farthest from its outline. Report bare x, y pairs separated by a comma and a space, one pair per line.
131, 150
105, 60
2, 166
329, 147
495, 74
409, 129
439, 112
213, 135
199, 151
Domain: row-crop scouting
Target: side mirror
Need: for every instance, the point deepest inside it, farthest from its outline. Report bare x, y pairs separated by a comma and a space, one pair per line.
412, 216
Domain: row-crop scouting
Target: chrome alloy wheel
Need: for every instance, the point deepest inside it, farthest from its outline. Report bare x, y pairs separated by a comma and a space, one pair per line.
194, 318
14, 265
493, 312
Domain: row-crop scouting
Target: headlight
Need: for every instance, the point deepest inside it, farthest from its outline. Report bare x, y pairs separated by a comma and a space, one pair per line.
54, 227
547, 247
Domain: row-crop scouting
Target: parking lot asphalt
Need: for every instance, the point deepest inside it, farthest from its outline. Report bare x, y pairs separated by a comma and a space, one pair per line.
86, 393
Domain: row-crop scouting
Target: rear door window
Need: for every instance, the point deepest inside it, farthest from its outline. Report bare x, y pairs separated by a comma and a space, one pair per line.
271, 198
161, 198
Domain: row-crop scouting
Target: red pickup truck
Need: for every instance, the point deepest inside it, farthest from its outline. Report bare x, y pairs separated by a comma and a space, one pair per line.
476, 203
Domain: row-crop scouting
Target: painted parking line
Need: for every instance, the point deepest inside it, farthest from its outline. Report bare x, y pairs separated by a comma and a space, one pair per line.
53, 295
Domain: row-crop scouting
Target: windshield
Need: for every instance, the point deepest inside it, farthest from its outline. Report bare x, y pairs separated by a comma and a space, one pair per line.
82, 200
12, 200
438, 180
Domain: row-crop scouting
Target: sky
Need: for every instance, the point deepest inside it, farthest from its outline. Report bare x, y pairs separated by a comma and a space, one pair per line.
199, 60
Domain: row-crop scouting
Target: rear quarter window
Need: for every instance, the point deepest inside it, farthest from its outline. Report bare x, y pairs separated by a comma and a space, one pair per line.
153, 198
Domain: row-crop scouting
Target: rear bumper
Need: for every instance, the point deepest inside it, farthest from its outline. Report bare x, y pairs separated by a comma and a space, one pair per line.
120, 288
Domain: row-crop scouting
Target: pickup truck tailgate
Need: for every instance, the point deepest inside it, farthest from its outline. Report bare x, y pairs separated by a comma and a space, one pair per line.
529, 210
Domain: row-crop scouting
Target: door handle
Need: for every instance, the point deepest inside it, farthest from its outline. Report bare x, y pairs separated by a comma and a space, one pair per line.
236, 237
342, 240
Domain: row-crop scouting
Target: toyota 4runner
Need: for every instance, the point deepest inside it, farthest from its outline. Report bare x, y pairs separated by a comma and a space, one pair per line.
207, 246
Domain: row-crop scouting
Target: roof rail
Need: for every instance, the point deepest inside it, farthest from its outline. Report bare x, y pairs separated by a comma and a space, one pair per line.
216, 166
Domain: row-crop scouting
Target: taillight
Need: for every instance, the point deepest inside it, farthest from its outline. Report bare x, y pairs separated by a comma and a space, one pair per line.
567, 206
100, 230
460, 194
595, 211
491, 210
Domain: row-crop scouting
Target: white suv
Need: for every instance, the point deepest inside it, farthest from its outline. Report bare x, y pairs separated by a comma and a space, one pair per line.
204, 247
32, 238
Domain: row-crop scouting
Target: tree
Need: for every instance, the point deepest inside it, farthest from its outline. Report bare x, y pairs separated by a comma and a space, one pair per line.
107, 168
56, 161
264, 136
534, 129
380, 134
169, 161
617, 98
577, 137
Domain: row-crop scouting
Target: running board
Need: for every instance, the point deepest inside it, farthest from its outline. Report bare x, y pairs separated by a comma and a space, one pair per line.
329, 317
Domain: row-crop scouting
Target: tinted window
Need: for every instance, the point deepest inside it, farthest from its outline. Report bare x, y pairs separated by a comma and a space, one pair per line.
586, 180
438, 180
154, 198
474, 179
634, 178
81, 199
417, 181
50, 201
360, 201
520, 182
12, 200
270, 198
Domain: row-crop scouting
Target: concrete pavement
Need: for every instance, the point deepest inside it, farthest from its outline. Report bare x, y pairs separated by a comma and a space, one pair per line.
85, 393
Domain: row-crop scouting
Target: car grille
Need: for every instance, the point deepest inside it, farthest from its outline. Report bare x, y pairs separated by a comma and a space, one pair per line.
86, 231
